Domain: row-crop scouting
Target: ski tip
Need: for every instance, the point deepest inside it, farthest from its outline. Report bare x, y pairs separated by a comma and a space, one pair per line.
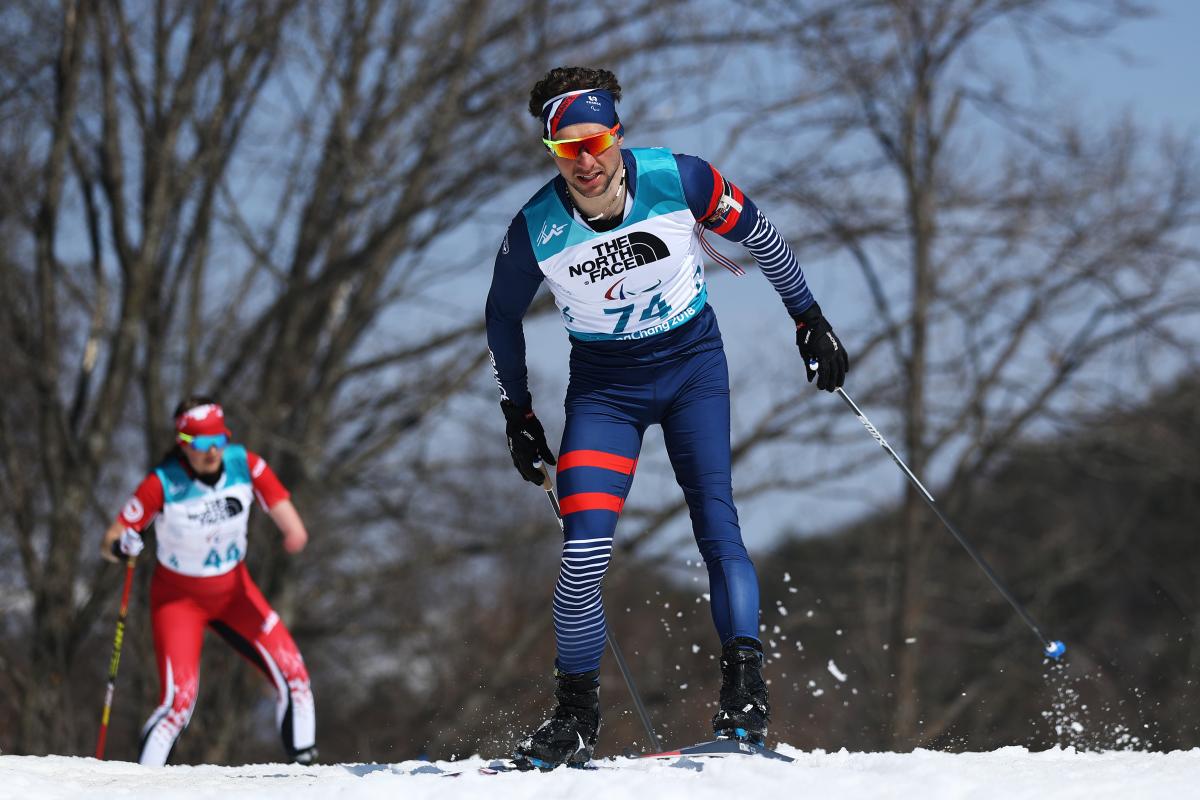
1055, 650
660, 754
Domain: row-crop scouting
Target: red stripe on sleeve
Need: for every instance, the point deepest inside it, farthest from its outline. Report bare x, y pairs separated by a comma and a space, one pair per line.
718, 186
590, 501
597, 458
267, 486
731, 219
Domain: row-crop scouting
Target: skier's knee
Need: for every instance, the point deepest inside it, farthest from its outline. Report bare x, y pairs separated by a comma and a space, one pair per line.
716, 551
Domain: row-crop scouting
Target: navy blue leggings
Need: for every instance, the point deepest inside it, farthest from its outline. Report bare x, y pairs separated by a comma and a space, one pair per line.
607, 412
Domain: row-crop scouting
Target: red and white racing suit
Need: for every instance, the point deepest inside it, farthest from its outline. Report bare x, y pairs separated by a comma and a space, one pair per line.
201, 581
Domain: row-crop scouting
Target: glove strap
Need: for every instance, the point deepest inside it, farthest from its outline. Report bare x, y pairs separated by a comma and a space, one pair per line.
808, 317
514, 413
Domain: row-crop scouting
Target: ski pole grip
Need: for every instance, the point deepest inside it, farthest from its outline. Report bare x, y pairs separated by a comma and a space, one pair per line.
547, 484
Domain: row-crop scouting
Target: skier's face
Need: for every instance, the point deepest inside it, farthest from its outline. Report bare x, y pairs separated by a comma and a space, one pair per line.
587, 174
204, 462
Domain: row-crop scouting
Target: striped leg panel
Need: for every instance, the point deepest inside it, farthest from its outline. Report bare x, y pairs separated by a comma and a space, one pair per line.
593, 484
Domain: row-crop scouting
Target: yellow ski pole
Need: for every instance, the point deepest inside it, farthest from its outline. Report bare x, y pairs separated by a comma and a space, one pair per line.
115, 661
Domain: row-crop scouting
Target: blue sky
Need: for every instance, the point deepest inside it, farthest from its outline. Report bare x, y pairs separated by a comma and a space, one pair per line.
1160, 83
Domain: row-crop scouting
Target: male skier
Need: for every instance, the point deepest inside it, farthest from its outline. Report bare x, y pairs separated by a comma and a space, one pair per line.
617, 236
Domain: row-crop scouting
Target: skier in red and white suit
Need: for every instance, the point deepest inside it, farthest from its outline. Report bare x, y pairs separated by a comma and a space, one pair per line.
199, 498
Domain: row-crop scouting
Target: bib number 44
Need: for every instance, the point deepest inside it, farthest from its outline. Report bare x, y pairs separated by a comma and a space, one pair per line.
214, 560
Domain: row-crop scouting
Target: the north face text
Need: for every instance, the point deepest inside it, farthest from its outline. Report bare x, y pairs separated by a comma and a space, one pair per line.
620, 255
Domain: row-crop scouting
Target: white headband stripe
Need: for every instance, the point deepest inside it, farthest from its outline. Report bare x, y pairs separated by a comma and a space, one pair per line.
552, 104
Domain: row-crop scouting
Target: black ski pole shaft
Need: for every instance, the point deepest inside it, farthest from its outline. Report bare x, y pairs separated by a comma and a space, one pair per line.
622, 664
115, 661
627, 674
1053, 649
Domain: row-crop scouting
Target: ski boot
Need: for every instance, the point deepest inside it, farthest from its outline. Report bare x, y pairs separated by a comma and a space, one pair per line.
306, 757
745, 708
569, 736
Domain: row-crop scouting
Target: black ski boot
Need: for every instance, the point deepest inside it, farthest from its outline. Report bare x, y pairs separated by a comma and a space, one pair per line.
569, 736
745, 708
306, 757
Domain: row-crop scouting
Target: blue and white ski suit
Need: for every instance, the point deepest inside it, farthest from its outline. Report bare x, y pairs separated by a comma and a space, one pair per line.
645, 349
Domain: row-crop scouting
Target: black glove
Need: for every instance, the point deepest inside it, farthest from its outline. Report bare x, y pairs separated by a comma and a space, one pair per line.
824, 355
526, 441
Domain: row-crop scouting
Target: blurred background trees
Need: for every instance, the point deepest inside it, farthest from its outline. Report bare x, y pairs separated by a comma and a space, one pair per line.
295, 206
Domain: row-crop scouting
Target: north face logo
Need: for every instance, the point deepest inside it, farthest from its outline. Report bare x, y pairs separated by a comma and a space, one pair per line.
647, 247
620, 255
215, 511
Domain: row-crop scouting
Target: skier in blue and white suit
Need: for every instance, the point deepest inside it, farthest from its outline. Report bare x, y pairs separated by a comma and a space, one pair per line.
617, 235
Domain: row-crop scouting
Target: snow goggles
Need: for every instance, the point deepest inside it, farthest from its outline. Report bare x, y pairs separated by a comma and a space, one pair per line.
595, 144
204, 442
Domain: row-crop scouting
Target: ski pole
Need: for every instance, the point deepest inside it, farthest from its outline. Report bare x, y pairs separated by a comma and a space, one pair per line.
115, 661
1052, 649
548, 487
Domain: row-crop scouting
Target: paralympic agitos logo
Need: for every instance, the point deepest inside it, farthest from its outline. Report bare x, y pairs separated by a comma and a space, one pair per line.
620, 255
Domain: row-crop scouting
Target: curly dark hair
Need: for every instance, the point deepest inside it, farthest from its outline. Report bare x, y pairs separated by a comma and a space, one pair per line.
569, 79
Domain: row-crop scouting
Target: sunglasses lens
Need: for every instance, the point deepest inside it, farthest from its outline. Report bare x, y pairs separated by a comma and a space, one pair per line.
208, 442
566, 149
571, 148
599, 143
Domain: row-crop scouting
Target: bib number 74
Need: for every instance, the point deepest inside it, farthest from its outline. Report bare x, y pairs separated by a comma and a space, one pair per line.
655, 309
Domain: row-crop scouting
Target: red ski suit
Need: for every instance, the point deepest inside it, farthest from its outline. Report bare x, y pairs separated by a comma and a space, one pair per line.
201, 581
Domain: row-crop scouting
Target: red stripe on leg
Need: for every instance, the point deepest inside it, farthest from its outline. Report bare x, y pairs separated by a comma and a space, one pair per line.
597, 458
590, 501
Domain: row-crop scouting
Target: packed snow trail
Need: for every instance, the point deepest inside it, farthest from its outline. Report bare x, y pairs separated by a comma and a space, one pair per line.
1011, 773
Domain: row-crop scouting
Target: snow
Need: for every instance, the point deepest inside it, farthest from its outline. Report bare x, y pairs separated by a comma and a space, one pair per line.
1010, 773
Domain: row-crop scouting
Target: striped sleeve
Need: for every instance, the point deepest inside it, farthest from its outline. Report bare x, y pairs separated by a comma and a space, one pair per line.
779, 264
721, 207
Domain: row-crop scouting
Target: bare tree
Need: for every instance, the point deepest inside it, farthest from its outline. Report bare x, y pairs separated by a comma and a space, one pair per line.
294, 205
259, 200
125, 168
1003, 249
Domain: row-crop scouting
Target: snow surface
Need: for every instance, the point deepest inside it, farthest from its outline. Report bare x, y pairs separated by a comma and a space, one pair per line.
1010, 773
